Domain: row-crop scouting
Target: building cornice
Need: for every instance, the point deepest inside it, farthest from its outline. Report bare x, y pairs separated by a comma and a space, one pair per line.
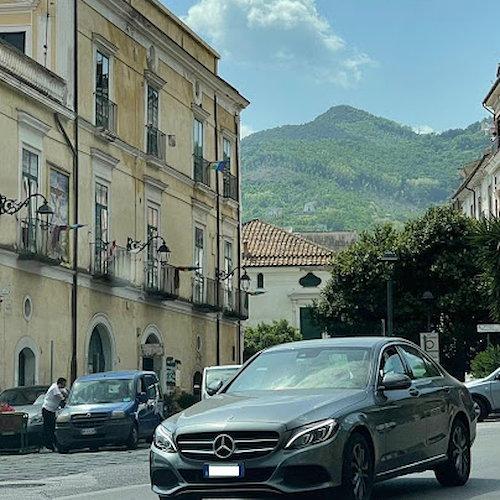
19, 6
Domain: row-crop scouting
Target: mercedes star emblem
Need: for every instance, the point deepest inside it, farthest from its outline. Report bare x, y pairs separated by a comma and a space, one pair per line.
223, 446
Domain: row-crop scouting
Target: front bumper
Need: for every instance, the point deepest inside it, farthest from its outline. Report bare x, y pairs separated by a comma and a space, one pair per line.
282, 472
112, 432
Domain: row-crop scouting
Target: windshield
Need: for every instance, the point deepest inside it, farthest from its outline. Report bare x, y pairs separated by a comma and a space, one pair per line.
310, 368
101, 391
223, 374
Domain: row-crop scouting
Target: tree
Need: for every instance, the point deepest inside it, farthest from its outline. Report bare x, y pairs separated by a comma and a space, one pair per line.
435, 253
265, 335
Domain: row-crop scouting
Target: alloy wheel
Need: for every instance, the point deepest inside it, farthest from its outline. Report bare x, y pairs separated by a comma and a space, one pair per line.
360, 467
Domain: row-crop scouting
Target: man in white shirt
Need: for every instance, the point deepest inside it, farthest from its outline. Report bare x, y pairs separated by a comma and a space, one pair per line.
53, 397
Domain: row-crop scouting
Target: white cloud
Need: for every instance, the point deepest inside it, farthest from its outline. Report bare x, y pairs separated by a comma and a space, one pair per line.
246, 130
423, 129
278, 34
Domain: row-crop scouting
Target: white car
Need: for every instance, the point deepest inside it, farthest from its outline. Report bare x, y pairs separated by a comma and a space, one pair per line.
216, 377
486, 394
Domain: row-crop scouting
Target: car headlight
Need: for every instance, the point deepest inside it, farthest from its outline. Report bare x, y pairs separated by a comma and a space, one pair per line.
62, 418
117, 414
163, 440
36, 419
312, 434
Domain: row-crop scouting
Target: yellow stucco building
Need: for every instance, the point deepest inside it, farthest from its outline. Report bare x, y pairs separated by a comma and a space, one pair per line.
136, 265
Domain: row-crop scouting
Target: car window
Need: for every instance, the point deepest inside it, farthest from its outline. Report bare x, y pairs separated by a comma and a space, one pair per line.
419, 365
391, 362
101, 391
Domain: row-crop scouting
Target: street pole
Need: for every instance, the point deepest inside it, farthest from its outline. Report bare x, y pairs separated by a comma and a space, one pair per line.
390, 325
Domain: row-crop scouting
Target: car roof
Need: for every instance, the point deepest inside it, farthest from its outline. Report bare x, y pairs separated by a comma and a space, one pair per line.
26, 388
359, 341
222, 367
123, 375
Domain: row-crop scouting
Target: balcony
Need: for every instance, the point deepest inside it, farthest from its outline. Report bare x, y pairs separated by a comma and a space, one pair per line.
162, 281
43, 242
156, 144
235, 303
205, 296
24, 72
112, 264
201, 171
230, 186
105, 116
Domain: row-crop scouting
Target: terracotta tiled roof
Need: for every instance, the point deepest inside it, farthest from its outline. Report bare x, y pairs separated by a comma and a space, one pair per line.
266, 245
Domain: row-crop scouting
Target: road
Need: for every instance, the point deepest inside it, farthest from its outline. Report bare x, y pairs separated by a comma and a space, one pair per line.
116, 474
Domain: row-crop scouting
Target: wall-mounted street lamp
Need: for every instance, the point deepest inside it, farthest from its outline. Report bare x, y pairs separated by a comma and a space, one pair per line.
390, 258
10, 207
245, 280
136, 246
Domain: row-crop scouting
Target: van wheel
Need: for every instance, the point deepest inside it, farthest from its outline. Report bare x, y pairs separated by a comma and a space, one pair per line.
133, 439
480, 408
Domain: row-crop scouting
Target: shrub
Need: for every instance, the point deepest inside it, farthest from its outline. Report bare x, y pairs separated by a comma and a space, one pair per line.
485, 362
176, 401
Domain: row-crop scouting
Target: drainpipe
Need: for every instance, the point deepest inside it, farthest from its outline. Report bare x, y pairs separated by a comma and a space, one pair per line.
217, 268
239, 358
474, 199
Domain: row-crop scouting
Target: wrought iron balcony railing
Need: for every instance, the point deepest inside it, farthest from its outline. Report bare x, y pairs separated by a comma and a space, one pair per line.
202, 171
43, 241
235, 303
105, 112
205, 293
230, 186
162, 281
156, 144
111, 263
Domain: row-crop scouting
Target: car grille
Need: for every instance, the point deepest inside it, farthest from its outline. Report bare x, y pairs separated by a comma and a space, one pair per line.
88, 420
247, 445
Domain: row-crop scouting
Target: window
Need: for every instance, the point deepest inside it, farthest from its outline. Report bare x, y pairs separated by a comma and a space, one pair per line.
228, 283
153, 137
419, 365
105, 112
102, 74
391, 362
201, 171
152, 264
260, 280
101, 227
29, 213
199, 281
16, 39
227, 150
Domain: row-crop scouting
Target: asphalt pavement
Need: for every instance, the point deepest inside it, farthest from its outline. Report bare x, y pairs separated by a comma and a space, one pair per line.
116, 474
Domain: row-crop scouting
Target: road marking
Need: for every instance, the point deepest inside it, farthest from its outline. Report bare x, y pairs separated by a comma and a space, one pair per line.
143, 489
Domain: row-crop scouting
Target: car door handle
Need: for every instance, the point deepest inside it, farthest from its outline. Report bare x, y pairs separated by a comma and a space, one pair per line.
414, 392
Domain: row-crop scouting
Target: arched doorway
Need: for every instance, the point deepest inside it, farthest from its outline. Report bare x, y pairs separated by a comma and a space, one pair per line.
100, 354
153, 354
26, 367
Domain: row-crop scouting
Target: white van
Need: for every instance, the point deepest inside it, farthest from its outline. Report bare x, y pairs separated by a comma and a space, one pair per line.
212, 374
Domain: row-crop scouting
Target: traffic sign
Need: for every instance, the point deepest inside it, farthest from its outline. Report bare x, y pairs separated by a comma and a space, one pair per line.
488, 328
429, 342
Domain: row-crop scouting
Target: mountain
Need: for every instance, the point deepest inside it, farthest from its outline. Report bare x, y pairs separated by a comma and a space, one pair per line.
348, 169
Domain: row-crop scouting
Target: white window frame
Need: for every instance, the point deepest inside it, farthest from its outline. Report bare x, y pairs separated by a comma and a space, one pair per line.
28, 39
106, 48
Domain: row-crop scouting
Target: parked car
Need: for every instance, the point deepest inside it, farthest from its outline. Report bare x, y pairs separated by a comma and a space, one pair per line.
110, 408
310, 416
216, 377
28, 399
486, 394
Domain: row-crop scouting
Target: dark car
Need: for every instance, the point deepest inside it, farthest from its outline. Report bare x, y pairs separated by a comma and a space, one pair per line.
28, 399
116, 408
486, 394
310, 416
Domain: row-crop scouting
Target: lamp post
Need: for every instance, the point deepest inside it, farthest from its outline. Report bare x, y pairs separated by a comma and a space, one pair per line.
390, 257
245, 280
10, 207
428, 297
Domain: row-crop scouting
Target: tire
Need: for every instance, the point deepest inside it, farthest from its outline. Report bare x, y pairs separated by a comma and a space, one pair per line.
456, 471
357, 469
133, 439
481, 409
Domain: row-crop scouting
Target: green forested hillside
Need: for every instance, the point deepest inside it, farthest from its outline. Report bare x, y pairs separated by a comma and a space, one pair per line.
348, 169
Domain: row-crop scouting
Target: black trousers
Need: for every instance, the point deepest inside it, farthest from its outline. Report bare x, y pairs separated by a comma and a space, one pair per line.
49, 427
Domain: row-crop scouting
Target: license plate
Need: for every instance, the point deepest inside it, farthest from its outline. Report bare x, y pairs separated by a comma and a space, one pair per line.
221, 471
88, 432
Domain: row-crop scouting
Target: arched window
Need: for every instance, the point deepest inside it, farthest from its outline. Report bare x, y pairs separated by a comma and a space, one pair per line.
260, 280
100, 352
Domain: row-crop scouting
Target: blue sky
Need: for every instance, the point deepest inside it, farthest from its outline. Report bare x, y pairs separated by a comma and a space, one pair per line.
423, 63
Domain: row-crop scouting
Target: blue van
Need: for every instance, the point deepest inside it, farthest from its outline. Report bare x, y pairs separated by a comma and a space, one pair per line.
110, 408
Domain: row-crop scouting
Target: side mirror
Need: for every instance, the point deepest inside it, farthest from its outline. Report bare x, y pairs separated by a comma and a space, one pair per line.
214, 386
143, 397
394, 382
